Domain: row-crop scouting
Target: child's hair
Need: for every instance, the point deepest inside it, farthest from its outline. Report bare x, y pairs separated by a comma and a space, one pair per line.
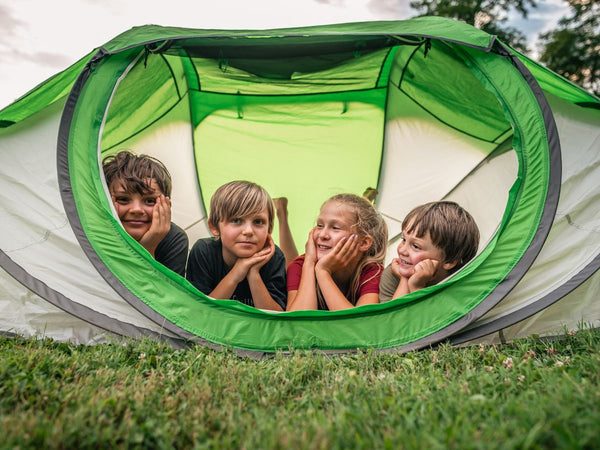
136, 172
367, 222
451, 228
240, 199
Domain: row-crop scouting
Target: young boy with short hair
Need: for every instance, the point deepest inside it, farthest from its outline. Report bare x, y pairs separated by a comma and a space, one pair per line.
241, 262
140, 187
438, 238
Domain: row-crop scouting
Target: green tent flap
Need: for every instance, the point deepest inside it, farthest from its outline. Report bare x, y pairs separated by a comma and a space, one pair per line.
44, 94
557, 85
423, 26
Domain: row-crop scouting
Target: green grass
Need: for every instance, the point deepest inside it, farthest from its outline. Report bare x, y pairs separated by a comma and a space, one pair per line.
530, 394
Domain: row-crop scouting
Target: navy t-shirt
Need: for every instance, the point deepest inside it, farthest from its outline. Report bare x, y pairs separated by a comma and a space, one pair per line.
173, 250
206, 268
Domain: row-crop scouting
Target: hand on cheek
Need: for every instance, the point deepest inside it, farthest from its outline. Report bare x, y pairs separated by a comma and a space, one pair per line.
259, 259
399, 270
245, 267
425, 271
160, 226
310, 249
341, 256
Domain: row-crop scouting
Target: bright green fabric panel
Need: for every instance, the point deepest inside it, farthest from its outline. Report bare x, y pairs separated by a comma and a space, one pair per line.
454, 96
152, 88
154, 85
304, 150
231, 323
386, 68
556, 84
356, 73
44, 94
203, 104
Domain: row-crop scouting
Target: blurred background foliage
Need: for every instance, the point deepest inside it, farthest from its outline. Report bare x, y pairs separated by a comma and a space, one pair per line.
572, 49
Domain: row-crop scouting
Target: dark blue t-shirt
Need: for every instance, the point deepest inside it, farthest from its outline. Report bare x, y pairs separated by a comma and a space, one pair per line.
206, 268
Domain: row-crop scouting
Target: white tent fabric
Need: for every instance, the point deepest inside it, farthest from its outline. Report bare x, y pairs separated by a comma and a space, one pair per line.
27, 314
442, 169
42, 242
565, 253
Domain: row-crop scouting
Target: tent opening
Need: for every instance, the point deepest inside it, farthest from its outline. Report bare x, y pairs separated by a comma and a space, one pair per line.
314, 121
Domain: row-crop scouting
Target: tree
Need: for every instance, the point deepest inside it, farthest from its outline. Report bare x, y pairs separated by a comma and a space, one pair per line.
488, 15
573, 49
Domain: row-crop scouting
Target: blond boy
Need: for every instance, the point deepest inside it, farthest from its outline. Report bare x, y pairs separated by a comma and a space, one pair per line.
241, 262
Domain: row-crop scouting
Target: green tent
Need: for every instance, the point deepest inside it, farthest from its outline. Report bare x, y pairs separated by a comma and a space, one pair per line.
423, 109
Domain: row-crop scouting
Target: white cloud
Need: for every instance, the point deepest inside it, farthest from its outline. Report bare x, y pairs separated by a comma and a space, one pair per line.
42, 37
391, 9
9, 23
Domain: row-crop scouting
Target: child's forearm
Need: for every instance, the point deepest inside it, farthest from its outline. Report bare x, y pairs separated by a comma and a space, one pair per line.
402, 288
334, 298
226, 287
286, 240
150, 247
415, 285
151, 240
306, 295
260, 294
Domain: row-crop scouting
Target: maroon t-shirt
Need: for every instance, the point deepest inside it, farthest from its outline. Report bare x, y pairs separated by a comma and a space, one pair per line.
372, 272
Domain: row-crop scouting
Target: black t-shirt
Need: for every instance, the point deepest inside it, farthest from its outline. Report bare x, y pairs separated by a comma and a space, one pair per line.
206, 268
173, 249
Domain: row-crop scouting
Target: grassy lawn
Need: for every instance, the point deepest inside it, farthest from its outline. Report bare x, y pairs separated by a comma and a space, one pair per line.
529, 394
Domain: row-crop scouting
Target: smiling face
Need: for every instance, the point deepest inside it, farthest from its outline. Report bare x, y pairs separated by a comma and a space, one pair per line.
242, 237
334, 223
134, 209
413, 249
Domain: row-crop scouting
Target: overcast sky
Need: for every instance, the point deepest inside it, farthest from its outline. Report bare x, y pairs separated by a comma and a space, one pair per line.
42, 37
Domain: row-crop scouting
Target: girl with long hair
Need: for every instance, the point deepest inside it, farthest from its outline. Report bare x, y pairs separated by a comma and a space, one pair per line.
342, 264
